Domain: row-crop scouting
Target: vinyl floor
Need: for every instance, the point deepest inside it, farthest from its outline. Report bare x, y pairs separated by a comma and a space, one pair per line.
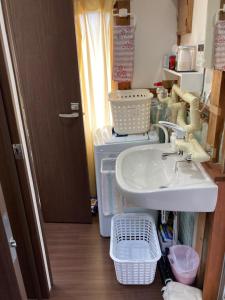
82, 268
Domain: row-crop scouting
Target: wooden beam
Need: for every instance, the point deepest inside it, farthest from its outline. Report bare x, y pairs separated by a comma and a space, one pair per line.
185, 15
216, 247
198, 245
223, 153
222, 14
215, 223
216, 120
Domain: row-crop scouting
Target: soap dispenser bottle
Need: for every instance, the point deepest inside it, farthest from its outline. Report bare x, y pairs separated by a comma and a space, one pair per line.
173, 138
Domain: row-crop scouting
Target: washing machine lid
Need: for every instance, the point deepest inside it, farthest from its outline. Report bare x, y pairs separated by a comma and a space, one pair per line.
104, 136
129, 138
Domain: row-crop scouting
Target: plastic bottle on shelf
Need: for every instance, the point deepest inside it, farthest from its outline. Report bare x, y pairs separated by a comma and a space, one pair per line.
172, 62
160, 90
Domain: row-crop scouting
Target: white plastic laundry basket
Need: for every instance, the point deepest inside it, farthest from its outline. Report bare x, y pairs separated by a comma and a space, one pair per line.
134, 248
131, 110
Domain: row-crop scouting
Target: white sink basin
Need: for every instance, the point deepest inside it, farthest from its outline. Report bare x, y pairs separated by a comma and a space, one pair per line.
147, 181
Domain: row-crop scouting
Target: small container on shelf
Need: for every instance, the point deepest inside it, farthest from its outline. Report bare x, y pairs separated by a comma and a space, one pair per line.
164, 243
166, 61
172, 62
186, 59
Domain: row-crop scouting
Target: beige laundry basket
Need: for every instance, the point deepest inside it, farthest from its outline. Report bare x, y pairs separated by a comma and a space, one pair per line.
131, 110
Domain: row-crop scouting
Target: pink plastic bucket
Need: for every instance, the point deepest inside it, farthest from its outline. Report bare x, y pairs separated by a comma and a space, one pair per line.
184, 262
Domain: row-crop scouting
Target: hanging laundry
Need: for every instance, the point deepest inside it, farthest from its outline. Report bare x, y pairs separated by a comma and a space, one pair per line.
219, 46
123, 53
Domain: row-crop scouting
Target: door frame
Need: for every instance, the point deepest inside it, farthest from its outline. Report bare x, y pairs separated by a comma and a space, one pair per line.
12, 280
25, 168
14, 202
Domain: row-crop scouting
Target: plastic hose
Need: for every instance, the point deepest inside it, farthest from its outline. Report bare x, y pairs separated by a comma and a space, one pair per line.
164, 130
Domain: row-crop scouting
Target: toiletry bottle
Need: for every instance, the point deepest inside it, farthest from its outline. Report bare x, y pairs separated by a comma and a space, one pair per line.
172, 62
173, 141
160, 90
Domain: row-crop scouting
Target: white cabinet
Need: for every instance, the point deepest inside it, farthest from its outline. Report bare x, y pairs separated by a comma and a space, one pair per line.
188, 81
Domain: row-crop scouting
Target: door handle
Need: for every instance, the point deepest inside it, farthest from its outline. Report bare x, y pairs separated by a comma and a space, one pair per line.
69, 116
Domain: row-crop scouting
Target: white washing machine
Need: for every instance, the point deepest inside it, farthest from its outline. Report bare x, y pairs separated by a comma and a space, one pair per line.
108, 145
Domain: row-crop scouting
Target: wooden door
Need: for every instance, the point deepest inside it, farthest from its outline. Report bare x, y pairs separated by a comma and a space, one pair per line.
19, 204
43, 44
11, 282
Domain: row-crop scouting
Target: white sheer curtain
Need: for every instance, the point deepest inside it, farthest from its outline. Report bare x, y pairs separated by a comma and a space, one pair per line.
93, 20
97, 66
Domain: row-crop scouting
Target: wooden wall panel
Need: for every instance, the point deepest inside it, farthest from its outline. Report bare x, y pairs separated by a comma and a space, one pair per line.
185, 13
217, 114
222, 14
199, 247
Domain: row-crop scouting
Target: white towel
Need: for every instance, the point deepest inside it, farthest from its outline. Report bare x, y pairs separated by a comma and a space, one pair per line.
123, 53
179, 291
219, 46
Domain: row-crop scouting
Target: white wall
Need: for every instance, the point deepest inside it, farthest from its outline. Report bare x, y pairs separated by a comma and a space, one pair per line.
154, 37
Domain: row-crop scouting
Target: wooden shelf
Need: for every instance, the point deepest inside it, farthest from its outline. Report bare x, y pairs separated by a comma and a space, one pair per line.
189, 81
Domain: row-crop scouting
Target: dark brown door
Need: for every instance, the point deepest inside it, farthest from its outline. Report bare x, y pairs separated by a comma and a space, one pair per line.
44, 48
11, 282
18, 202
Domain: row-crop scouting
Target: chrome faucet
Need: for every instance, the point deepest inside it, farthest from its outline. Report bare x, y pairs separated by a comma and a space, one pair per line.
180, 132
166, 154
